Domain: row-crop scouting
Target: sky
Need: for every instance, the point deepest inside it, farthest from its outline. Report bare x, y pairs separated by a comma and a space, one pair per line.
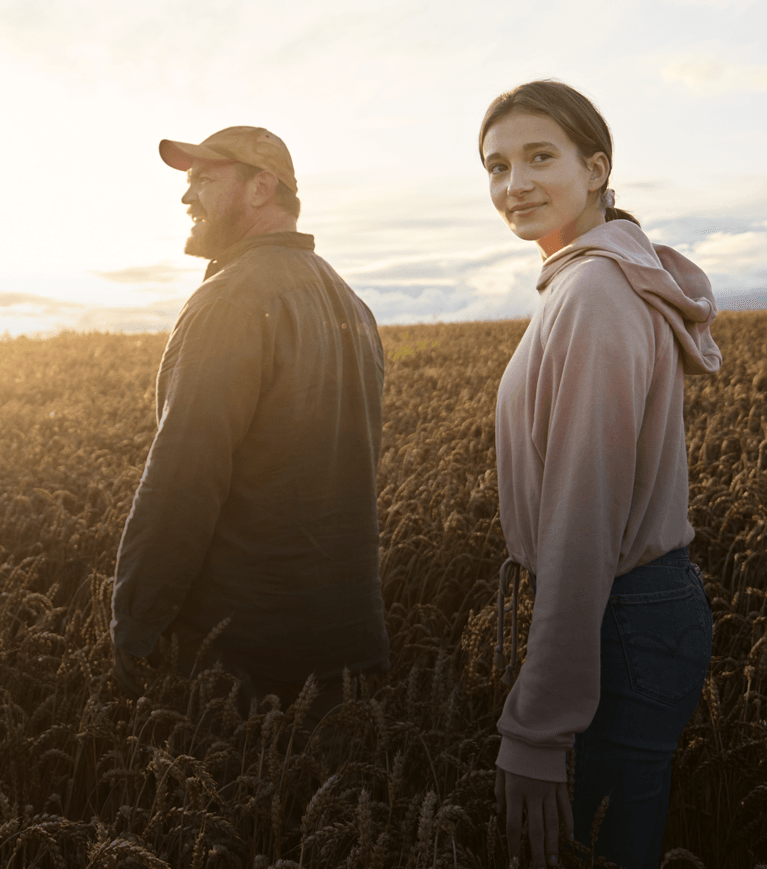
380, 105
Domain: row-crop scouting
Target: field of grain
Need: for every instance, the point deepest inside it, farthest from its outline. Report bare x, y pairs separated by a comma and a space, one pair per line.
89, 778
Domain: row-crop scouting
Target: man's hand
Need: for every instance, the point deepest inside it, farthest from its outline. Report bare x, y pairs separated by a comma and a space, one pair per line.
547, 802
127, 671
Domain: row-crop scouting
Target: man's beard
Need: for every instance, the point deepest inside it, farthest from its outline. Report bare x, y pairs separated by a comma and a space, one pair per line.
212, 237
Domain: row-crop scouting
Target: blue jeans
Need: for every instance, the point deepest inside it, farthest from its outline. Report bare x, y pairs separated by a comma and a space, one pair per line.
656, 645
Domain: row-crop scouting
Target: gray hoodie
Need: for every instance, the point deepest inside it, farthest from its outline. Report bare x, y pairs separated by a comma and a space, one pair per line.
592, 464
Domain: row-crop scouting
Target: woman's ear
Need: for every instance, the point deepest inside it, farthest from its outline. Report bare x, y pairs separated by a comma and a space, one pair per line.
600, 170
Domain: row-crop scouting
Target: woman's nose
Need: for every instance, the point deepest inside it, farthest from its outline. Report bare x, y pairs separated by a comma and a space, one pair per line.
518, 181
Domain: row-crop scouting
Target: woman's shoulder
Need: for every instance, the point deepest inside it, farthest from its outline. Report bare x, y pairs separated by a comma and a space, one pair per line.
591, 300
591, 281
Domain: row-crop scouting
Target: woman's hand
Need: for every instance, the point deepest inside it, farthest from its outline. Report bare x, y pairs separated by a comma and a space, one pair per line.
547, 802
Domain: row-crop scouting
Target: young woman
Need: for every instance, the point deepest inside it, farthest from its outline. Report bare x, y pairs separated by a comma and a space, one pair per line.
593, 489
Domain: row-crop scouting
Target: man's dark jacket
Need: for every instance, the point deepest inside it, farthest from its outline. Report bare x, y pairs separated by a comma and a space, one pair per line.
258, 499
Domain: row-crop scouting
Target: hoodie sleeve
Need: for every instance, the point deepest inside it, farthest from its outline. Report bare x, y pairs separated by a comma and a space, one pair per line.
597, 346
208, 389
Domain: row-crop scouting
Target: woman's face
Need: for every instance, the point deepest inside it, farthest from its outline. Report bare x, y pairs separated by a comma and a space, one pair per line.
538, 182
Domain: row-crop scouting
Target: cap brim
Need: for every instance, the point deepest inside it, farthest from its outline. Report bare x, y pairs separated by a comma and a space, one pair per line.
181, 155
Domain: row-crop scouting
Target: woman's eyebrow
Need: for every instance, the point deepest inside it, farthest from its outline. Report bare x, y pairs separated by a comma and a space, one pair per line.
530, 146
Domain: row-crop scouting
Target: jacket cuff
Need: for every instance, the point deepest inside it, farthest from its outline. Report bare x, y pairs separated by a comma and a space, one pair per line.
134, 636
548, 764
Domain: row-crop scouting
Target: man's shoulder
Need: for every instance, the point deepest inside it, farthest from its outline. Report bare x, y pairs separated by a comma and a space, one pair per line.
264, 273
271, 284
263, 276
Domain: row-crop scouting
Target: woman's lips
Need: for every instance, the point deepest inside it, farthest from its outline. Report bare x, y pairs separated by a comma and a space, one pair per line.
527, 209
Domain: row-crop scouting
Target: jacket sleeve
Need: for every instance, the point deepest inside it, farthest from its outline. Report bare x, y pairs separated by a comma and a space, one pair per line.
208, 389
597, 344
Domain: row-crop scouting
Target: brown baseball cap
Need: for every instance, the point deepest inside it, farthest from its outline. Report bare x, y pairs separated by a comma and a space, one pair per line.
252, 145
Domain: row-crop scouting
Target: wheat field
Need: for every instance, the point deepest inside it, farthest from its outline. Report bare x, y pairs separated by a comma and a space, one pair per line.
89, 778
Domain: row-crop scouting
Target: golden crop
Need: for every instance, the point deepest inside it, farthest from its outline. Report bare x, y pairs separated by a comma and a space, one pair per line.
89, 778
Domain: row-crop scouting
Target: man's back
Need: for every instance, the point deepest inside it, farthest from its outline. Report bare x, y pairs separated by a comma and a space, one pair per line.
258, 500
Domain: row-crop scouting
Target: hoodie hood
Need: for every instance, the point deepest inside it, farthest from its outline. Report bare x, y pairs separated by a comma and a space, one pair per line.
662, 277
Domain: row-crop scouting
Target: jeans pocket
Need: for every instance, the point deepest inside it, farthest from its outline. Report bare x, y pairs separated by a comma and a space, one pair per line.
666, 638
698, 574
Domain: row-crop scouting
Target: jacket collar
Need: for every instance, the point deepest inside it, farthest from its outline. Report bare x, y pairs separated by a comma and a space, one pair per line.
299, 240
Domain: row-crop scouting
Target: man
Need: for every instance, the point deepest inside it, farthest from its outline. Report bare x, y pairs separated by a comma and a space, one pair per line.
258, 499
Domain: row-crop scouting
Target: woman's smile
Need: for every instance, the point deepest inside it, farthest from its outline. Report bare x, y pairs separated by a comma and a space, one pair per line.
525, 210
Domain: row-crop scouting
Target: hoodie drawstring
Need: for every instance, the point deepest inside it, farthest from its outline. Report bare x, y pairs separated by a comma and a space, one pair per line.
500, 660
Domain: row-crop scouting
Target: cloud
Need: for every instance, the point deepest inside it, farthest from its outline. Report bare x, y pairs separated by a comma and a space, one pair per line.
715, 4
15, 300
687, 230
499, 282
743, 302
736, 265
478, 285
708, 75
160, 273
30, 314
149, 319
33, 315
726, 253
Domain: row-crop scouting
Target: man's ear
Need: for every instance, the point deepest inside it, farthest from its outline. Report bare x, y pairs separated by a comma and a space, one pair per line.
261, 188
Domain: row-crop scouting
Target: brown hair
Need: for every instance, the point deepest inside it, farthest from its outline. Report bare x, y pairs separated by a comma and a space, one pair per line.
574, 113
286, 198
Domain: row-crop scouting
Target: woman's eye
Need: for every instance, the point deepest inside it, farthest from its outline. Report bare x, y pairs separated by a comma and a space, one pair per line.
544, 156
496, 169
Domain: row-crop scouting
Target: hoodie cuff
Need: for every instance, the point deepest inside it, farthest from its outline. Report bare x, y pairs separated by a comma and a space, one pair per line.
548, 764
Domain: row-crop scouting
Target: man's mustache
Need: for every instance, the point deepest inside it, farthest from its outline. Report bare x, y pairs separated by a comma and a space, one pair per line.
196, 212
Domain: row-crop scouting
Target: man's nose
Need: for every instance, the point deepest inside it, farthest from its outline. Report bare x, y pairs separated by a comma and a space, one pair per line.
188, 198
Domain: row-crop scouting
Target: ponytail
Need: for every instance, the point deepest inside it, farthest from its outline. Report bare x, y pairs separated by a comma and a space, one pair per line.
611, 212
620, 214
